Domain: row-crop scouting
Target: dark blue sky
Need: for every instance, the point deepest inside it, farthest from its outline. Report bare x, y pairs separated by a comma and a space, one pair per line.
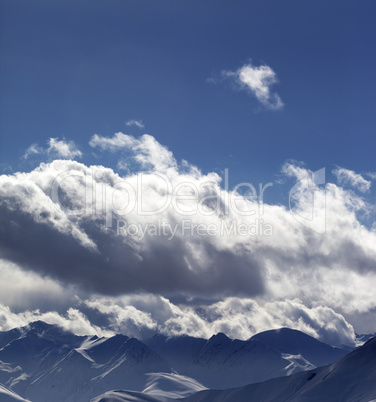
70, 69
74, 68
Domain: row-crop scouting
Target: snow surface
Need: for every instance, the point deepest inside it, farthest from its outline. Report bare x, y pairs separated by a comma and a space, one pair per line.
129, 396
46, 363
114, 363
171, 385
161, 387
43, 363
353, 378
221, 362
291, 341
7, 395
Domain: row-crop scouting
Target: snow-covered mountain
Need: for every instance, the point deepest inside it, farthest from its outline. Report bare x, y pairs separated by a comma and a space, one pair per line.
353, 378
7, 395
29, 351
293, 342
221, 362
42, 362
46, 363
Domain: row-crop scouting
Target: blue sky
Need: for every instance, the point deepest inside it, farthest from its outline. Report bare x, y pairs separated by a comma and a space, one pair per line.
72, 69
271, 90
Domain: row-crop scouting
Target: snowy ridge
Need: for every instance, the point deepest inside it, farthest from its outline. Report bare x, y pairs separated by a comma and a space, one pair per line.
42, 362
353, 378
118, 362
7, 395
171, 385
291, 341
221, 362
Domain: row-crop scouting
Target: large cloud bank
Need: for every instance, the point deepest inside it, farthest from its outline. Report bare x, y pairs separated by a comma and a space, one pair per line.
167, 230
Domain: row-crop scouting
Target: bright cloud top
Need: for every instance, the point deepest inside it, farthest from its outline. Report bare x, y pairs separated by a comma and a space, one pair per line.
144, 315
346, 176
146, 150
63, 149
258, 80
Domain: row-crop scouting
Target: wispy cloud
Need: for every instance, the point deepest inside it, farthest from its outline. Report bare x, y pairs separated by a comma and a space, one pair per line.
372, 175
62, 149
257, 80
137, 123
346, 176
33, 149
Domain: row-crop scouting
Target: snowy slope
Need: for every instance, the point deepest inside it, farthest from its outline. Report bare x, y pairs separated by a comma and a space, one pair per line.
129, 396
42, 362
221, 362
180, 351
160, 387
98, 365
171, 385
294, 342
8, 336
7, 395
31, 350
353, 378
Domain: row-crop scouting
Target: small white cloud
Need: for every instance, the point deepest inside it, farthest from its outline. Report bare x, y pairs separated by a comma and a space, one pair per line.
137, 123
63, 149
33, 149
149, 152
56, 148
371, 175
346, 176
259, 81
296, 169
117, 142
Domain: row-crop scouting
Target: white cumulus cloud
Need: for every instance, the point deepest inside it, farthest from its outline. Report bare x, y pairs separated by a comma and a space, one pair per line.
167, 230
257, 80
146, 150
63, 149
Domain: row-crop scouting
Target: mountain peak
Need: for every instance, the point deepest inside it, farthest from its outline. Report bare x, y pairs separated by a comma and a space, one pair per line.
219, 338
294, 342
39, 326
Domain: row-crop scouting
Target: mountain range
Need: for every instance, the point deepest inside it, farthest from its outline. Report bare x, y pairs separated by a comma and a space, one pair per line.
42, 362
